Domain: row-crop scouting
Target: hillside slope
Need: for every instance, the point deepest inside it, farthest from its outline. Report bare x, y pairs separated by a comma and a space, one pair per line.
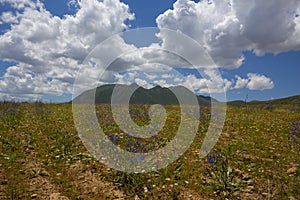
155, 95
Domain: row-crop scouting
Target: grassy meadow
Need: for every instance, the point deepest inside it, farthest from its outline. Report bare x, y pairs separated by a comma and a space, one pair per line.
256, 157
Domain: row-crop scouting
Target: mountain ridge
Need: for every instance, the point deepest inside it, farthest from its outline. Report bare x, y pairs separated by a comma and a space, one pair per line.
155, 95
163, 95
291, 100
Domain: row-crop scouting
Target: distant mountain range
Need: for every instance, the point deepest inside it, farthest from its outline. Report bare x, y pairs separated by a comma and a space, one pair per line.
155, 95
164, 96
288, 101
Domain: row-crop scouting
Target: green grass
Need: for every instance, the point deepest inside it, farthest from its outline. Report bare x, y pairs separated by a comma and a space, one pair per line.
41, 153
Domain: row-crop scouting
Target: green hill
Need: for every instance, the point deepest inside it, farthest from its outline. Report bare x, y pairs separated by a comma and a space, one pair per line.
283, 102
155, 95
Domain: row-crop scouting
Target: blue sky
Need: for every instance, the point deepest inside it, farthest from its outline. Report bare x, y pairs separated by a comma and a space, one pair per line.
43, 45
146, 12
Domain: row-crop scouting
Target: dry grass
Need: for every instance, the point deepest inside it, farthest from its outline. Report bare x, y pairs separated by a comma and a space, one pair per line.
41, 155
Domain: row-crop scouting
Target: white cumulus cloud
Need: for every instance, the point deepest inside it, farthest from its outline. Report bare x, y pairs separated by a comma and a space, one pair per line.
240, 82
51, 49
228, 28
259, 82
19, 4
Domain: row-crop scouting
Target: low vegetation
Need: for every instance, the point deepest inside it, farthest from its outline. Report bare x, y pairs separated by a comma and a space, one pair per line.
256, 157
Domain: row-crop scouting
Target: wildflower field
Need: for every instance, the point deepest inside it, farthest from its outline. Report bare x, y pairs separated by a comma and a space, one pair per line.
256, 157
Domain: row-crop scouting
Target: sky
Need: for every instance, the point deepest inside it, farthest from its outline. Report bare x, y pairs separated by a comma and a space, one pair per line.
53, 50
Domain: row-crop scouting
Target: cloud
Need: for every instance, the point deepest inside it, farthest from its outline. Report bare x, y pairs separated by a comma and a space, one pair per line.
253, 82
51, 48
19, 4
8, 17
240, 82
21, 83
147, 59
228, 28
259, 82
74, 4
271, 26
143, 83
150, 76
212, 83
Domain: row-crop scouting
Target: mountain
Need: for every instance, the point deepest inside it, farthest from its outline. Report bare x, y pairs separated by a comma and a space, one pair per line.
294, 100
155, 95
288, 101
